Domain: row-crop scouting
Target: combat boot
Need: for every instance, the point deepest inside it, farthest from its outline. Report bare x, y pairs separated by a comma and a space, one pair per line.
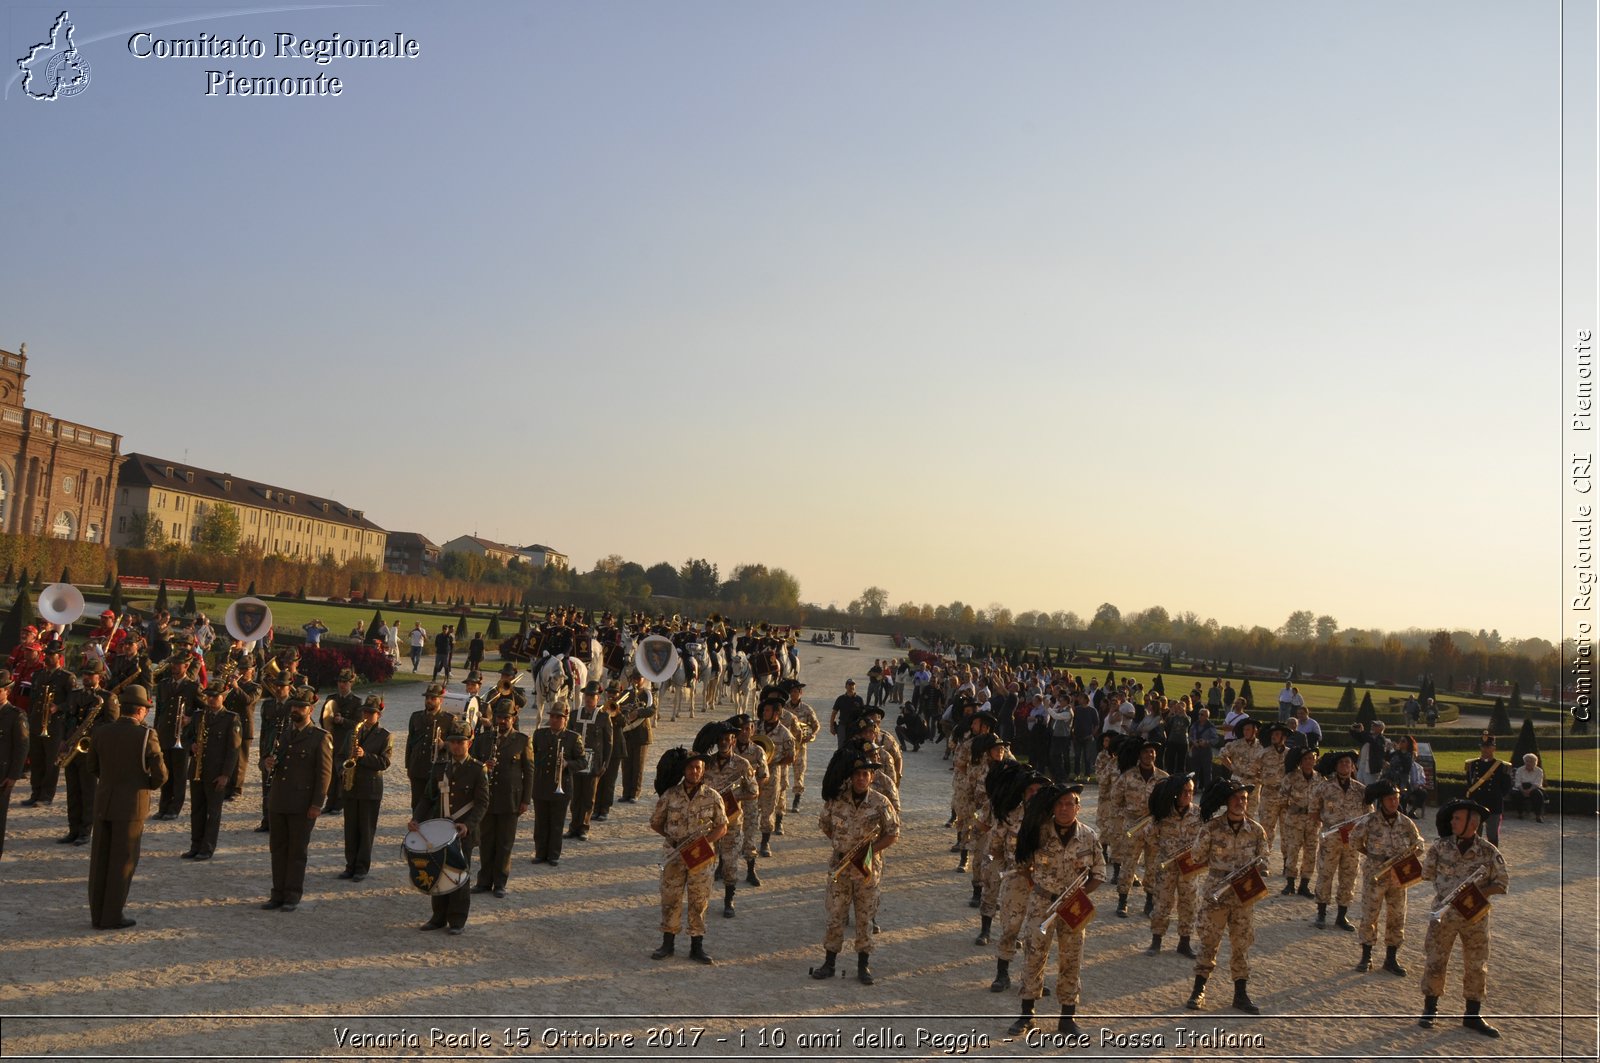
766, 843
1149, 903
1473, 1021
667, 947
1183, 948
750, 873
796, 806
977, 895
983, 934
727, 900
777, 823
1322, 917
827, 969
1065, 1024
1116, 874
1288, 888
1155, 944
863, 972
697, 951
1197, 997
962, 866
1305, 888
1122, 906
1241, 999
1365, 963
1002, 976
1391, 961
1430, 1011
1343, 921
1024, 1021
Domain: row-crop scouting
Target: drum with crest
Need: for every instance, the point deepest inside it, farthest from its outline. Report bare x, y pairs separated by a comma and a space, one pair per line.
434, 858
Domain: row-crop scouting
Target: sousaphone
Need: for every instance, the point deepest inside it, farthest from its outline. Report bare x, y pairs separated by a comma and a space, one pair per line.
656, 658
61, 604
248, 619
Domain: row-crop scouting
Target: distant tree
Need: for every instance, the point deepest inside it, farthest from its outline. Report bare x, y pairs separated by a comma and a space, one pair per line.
22, 580
1327, 628
145, 532
221, 589
1499, 719
1245, 693
492, 634
190, 606
301, 593
1515, 708
219, 530
461, 627
1368, 712
1347, 700
1107, 620
251, 593
1298, 627
1166, 661
1156, 685
116, 598
1527, 742
11, 571
664, 579
161, 597
66, 575
373, 626
872, 601
699, 579
20, 616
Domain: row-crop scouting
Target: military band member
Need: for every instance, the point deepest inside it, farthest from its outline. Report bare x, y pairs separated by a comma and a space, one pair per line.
241, 701
507, 757
1298, 828
213, 740
177, 696
345, 714
372, 750
981, 723
771, 727
13, 749
637, 732
52, 684
734, 780
1336, 801
274, 721
1247, 759
476, 715
1460, 854
595, 729
1383, 836
751, 822
866, 746
426, 732
686, 810
806, 728
987, 752
505, 687
1132, 797
1489, 784
606, 791
1226, 844
301, 766
557, 752
1106, 774
126, 758
860, 823
1175, 829
1054, 850
82, 705
1012, 792
1277, 748
457, 789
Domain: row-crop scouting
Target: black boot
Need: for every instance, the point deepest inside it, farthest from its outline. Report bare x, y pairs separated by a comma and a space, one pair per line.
766, 843
1116, 874
1183, 948
1065, 1024
1122, 906
1241, 999
1149, 903
827, 968
1473, 1021
727, 900
1322, 917
1002, 976
1024, 1021
1305, 888
750, 873
1155, 944
777, 823
1288, 888
962, 866
863, 972
697, 951
1430, 1010
1343, 921
977, 895
1366, 959
1391, 961
983, 934
1197, 996
796, 806
667, 947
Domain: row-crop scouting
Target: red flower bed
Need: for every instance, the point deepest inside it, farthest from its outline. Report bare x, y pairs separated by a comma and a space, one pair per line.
321, 665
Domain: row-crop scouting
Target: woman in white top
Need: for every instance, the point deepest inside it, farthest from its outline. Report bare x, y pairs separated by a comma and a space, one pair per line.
1527, 786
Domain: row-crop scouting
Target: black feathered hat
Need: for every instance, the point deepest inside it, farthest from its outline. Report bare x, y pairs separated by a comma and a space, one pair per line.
1329, 761
1294, 754
839, 769
1040, 810
1000, 778
1239, 725
1441, 819
1378, 790
1164, 794
669, 769
981, 746
1217, 794
1128, 753
709, 735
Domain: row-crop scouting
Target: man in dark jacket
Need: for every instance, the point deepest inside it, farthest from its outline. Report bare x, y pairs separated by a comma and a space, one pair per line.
507, 757
458, 789
556, 752
372, 749
301, 767
213, 739
596, 731
126, 759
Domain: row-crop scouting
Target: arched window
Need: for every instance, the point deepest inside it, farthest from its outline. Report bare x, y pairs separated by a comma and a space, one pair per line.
64, 527
5, 498
98, 485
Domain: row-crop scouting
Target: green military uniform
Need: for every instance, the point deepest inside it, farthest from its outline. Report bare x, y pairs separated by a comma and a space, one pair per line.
363, 798
126, 758
508, 762
213, 740
302, 769
466, 785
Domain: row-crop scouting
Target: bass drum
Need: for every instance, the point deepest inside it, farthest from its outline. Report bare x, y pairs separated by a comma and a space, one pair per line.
434, 857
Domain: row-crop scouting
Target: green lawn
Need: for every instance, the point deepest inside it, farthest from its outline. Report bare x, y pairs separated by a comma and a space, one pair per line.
1264, 691
1578, 763
292, 616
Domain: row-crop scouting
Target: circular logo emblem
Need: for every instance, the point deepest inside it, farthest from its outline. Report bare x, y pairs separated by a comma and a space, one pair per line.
68, 72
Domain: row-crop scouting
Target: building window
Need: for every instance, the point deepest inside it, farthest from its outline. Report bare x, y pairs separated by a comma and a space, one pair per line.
5, 497
177, 531
122, 525
94, 533
124, 494
38, 524
98, 485
64, 527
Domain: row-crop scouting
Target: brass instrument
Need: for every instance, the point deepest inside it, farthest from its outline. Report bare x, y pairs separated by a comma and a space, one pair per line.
347, 770
47, 707
850, 856
1179, 855
1139, 826
1340, 827
1386, 868
198, 749
1450, 898
1239, 872
1061, 898
77, 742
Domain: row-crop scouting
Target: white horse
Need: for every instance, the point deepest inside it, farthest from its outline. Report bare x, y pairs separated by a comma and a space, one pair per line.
741, 682
560, 678
685, 683
626, 646
715, 678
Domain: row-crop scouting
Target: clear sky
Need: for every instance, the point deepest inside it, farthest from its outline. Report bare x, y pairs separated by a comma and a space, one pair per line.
1235, 307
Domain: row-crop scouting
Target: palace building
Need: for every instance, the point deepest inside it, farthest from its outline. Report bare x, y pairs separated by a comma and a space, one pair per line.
158, 493
56, 477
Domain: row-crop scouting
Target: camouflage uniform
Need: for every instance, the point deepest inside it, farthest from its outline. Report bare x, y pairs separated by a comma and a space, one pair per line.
1055, 865
961, 791
1226, 850
783, 744
1012, 903
1297, 827
1131, 795
1247, 759
1106, 815
754, 808
735, 780
891, 755
682, 816
805, 716
979, 818
1334, 803
1171, 836
1271, 793
846, 821
1381, 839
1445, 866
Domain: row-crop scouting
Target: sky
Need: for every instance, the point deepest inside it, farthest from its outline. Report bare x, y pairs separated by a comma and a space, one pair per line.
1235, 308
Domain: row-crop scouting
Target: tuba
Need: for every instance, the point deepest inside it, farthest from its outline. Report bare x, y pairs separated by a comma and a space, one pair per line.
61, 604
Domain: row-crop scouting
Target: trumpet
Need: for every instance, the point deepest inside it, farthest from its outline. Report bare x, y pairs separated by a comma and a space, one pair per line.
46, 708
1061, 898
1450, 898
1340, 828
1139, 826
1179, 855
1386, 868
198, 750
855, 850
347, 777
1238, 873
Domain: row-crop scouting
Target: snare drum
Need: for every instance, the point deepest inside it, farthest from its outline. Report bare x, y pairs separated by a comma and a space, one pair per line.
434, 857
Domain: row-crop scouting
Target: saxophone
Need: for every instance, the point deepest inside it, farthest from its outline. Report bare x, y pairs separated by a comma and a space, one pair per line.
78, 741
347, 776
